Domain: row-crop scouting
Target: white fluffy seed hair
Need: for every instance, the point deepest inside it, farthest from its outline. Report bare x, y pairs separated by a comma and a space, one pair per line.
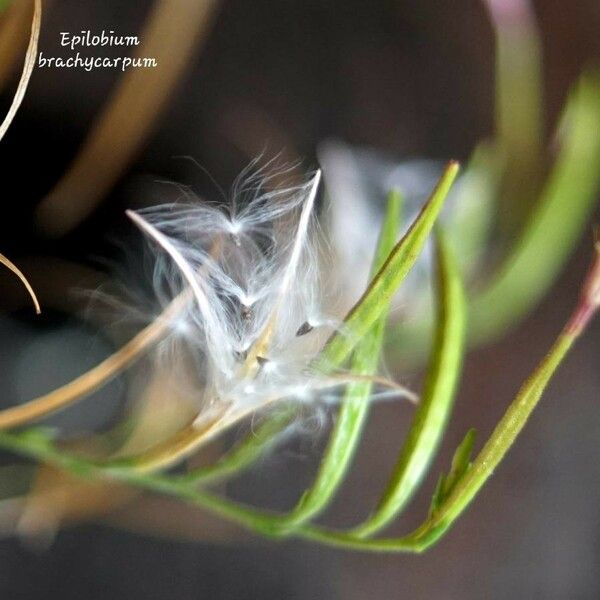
255, 312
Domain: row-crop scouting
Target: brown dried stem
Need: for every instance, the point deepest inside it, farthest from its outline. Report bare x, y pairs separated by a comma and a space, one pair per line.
28, 66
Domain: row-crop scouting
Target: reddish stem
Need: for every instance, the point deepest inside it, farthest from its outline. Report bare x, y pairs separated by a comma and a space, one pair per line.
589, 300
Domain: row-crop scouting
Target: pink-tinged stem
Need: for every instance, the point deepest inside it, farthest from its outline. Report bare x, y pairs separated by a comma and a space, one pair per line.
589, 301
510, 12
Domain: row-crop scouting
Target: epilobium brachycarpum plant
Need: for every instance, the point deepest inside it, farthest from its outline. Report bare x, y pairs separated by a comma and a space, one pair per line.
250, 301
244, 295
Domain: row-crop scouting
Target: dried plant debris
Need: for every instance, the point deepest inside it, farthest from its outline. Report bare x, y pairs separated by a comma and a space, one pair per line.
30, 58
10, 265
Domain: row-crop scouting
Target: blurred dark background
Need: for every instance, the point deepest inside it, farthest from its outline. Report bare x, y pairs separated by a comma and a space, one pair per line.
411, 78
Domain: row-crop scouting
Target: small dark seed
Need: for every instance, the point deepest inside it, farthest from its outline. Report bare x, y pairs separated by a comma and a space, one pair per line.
241, 355
305, 328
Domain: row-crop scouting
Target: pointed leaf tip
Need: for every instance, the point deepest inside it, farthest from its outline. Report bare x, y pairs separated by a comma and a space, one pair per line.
461, 461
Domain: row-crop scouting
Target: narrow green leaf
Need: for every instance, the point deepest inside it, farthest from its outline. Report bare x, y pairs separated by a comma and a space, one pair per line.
546, 241
492, 453
372, 307
42, 448
438, 495
366, 322
430, 419
499, 442
519, 125
464, 483
363, 317
473, 479
563, 209
353, 412
389, 277
461, 461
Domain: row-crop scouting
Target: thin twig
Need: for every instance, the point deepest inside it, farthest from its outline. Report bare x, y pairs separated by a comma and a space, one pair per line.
28, 66
103, 372
96, 377
10, 265
15, 23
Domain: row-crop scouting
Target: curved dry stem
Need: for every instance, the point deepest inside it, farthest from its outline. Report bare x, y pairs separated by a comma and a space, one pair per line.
54, 291
15, 23
10, 265
103, 372
173, 30
28, 66
179, 446
96, 377
216, 420
402, 390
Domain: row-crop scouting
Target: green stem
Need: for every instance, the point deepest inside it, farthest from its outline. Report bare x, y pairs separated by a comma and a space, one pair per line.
466, 484
354, 410
544, 245
385, 284
565, 205
37, 446
244, 454
519, 107
429, 422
